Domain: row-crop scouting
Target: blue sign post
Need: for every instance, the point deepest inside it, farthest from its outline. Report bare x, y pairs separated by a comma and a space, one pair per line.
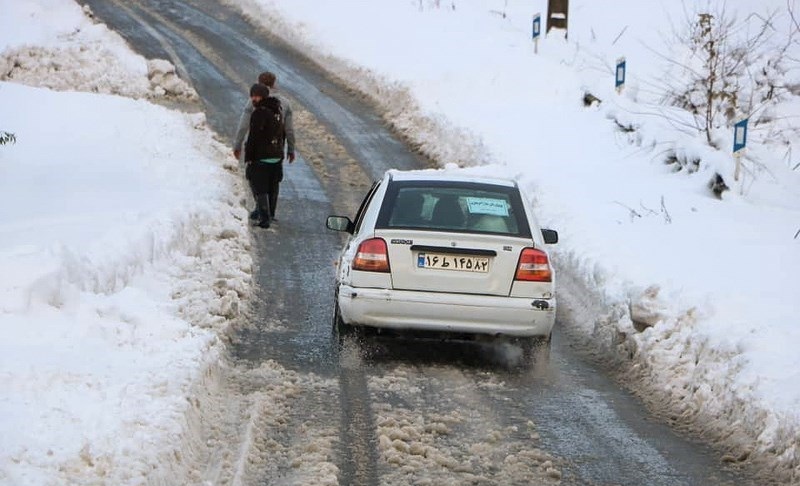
740, 135
536, 31
739, 144
619, 77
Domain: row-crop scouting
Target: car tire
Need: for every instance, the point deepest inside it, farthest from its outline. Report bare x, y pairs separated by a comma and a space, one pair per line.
341, 330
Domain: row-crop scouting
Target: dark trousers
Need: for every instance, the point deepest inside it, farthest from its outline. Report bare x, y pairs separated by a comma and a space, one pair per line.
265, 179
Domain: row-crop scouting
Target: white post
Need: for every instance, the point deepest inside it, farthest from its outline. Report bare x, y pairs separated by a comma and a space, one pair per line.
739, 145
620, 74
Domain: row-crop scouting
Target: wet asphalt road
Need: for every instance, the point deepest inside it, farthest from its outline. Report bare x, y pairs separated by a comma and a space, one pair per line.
598, 433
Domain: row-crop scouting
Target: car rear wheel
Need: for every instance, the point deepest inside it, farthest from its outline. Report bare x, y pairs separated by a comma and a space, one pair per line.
341, 330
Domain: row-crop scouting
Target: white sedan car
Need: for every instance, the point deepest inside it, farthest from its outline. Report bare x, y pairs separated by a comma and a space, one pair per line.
443, 252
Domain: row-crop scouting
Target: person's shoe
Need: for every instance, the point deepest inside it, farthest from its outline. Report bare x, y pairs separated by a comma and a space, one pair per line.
263, 210
255, 214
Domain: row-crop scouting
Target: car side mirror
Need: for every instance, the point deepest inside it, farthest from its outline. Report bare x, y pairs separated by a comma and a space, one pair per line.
550, 236
340, 223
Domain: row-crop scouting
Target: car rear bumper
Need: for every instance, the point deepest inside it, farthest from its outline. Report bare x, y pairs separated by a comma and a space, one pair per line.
459, 313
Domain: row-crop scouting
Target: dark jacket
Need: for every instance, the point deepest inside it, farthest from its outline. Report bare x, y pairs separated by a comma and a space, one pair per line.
244, 123
267, 133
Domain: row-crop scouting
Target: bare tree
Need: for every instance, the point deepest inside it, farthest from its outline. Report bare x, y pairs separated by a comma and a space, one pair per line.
723, 68
717, 70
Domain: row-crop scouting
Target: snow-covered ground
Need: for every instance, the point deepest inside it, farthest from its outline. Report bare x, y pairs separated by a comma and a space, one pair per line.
694, 295
107, 248
123, 254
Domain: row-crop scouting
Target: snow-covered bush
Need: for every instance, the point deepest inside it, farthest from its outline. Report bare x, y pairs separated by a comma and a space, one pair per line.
723, 69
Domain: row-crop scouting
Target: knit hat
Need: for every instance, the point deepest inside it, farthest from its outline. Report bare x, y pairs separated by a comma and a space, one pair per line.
259, 90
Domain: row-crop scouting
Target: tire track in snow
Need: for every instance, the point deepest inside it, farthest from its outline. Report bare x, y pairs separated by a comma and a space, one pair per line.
272, 438
437, 422
359, 445
168, 48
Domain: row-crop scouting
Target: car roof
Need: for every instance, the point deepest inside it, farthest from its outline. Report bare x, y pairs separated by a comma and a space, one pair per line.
456, 175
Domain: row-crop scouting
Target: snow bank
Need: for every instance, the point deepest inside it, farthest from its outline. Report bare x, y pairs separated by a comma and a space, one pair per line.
117, 268
123, 246
56, 44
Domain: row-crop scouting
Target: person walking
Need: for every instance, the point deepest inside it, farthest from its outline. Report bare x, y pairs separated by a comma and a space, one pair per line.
269, 80
264, 151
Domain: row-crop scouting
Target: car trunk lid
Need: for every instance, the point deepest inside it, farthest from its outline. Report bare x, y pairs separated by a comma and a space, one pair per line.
453, 262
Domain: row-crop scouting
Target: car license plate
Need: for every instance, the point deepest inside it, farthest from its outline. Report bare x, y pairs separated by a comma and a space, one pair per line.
463, 263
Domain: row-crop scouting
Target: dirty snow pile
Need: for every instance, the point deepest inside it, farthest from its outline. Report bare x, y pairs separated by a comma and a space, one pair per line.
692, 293
272, 443
55, 44
123, 255
442, 443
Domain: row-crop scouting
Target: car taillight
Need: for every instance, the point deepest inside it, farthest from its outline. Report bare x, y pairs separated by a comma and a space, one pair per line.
372, 256
533, 266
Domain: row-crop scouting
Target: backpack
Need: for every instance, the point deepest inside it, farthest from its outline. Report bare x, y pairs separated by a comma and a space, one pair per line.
269, 133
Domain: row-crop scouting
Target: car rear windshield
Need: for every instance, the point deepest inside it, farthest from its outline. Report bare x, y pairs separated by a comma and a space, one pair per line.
468, 207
